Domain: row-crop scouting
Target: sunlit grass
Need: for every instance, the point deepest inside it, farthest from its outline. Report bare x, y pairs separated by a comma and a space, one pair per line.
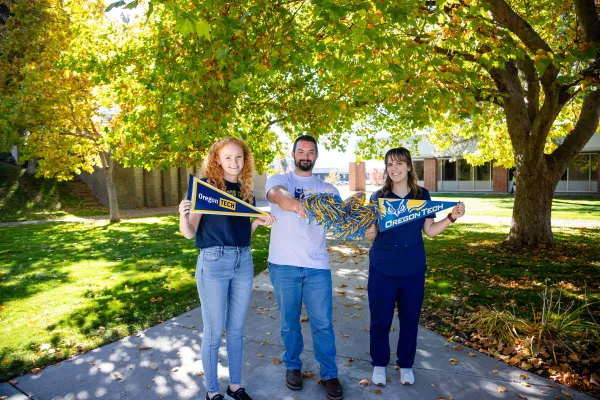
68, 288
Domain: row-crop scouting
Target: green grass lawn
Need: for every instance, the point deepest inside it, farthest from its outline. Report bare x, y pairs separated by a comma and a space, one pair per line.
466, 265
501, 205
25, 198
469, 273
68, 288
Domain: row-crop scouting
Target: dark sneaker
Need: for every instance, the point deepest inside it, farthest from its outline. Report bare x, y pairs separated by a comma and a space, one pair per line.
239, 394
334, 389
293, 379
217, 397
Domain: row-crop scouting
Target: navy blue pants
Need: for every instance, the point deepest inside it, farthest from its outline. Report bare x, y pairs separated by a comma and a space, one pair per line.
384, 292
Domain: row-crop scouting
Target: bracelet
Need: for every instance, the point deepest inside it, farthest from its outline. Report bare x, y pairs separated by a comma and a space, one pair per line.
452, 220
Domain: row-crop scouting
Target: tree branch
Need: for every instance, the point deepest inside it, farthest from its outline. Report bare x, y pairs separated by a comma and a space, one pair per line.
510, 20
588, 19
582, 132
532, 86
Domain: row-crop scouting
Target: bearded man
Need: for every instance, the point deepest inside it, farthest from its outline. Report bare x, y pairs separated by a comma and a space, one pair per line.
299, 269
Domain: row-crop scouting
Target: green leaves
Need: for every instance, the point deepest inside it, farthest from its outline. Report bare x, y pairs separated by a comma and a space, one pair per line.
184, 26
203, 29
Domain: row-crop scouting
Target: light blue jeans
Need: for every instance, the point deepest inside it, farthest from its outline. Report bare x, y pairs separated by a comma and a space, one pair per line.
224, 278
292, 286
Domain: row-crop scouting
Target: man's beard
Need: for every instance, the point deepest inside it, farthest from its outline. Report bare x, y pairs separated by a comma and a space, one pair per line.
304, 165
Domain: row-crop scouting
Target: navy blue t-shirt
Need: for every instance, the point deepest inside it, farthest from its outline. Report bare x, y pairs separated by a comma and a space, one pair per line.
224, 230
400, 251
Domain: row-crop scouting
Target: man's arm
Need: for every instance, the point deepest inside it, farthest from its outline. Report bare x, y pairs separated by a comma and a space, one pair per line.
284, 199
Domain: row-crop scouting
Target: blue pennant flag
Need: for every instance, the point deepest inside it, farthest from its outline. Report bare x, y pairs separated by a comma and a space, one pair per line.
395, 212
207, 199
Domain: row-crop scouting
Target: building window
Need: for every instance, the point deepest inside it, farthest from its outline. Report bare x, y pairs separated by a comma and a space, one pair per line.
448, 170
464, 170
594, 171
579, 170
419, 168
483, 172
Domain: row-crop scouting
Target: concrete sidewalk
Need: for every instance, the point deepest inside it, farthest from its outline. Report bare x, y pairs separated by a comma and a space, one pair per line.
169, 368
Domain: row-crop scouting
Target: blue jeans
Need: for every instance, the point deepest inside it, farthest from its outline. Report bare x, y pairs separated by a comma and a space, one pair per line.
292, 286
224, 278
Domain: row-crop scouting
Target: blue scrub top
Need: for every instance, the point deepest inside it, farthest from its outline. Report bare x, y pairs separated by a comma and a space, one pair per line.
400, 251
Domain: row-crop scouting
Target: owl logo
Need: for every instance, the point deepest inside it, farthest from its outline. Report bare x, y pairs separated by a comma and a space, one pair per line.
395, 211
298, 193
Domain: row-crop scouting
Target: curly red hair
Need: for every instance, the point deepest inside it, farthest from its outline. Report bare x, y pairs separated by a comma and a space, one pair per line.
214, 172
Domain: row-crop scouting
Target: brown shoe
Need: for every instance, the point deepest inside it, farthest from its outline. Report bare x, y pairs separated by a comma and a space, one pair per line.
334, 389
293, 379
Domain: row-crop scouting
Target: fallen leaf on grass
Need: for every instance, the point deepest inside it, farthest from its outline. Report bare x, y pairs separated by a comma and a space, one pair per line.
502, 389
364, 382
157, 299
454, 361
276, 361
144, 347
471, 354
458, 347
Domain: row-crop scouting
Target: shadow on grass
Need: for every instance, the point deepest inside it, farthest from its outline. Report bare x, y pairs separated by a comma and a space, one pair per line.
467, 269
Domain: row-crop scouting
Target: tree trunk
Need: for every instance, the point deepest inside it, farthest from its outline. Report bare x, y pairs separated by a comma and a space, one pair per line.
107, 163
531, 221
32, 165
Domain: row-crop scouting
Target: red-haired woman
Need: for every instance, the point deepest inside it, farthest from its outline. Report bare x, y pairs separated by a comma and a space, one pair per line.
224, 271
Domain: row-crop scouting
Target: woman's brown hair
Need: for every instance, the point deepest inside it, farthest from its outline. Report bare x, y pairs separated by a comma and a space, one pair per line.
214, 172
400, 154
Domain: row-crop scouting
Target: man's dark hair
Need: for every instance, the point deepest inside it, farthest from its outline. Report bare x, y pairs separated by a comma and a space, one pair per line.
306, 138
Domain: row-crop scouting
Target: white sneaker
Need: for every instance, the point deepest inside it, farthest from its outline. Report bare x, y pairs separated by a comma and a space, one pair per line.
406, 376
379, 378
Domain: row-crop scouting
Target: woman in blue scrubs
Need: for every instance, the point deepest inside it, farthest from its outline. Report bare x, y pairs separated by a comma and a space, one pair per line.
397, 269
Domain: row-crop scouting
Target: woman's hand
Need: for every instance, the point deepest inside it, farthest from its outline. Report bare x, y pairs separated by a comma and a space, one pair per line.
266, 221
458, 210
185, 207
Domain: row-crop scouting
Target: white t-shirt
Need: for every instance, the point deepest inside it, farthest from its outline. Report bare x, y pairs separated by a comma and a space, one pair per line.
293, 240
